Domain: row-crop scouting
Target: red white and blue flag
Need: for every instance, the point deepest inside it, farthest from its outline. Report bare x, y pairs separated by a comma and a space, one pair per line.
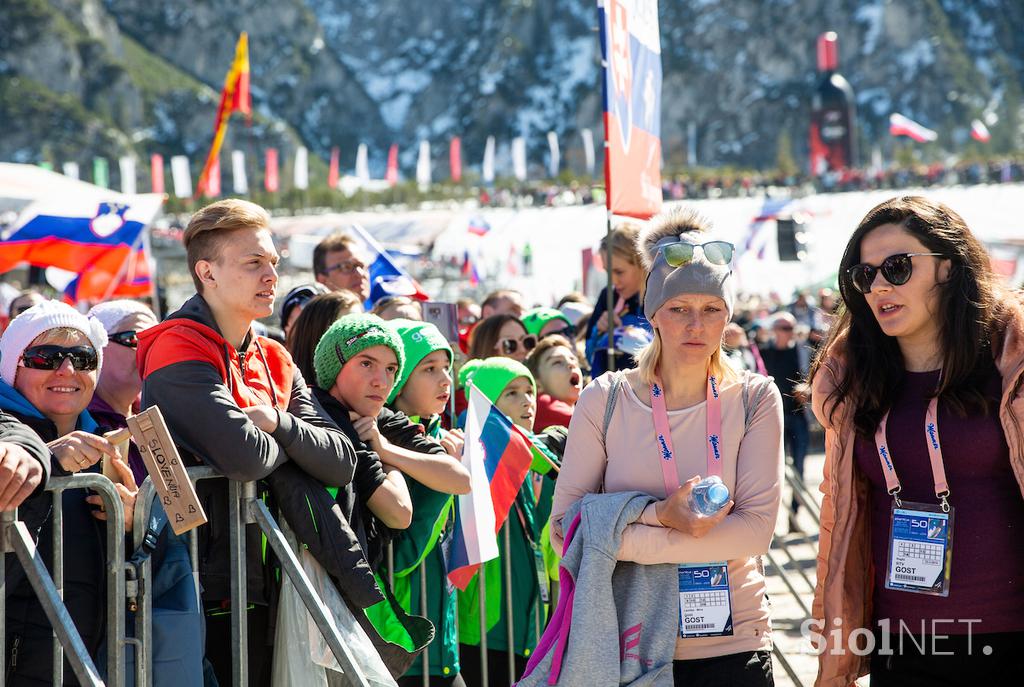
631, 51
901, 125
498, 456
386, 276
98, 240
478, 225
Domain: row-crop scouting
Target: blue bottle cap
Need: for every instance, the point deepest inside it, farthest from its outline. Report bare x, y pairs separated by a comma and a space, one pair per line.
718, 494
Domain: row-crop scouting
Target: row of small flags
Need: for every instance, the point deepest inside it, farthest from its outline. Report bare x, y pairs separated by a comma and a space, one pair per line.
181, 174
901, 125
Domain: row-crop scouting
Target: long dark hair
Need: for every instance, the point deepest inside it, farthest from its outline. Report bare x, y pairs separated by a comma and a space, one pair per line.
968, 309
319, 313
487, 333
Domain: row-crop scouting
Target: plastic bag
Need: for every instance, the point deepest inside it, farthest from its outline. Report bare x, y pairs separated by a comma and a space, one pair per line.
302, 656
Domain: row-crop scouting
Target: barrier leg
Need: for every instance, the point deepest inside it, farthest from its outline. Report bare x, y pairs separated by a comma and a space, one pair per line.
7, 519
81, 664
58, 579
789, 585
291, 566
239, 605
788, 668
423, 611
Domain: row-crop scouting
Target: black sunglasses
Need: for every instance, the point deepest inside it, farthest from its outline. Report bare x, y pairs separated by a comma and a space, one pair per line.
49, 357
897, 270
568, 331
509, 346
680, 253
129, 338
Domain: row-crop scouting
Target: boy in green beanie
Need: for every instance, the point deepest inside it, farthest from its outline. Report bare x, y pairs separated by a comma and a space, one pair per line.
422, 393
510, 386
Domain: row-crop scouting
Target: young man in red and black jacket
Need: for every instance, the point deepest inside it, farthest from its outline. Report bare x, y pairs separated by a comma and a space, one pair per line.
235, 401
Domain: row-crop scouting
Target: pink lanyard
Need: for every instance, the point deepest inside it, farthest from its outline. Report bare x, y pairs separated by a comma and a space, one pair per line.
931, 432
664, 434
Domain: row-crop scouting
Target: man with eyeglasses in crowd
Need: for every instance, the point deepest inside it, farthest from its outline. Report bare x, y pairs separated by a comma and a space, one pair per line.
338, 264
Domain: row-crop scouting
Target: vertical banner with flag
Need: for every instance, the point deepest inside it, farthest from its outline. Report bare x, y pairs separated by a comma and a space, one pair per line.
588, 150
519, 158
239, 179
101, 172
270, 181
498, 456
70, 170
212, 189
181, 176
487, 171
631, 61
554, 157
362, 164
156, 173
301, 172
423, 166
127, 167
234, 96
391, 175
455, 159
333, 169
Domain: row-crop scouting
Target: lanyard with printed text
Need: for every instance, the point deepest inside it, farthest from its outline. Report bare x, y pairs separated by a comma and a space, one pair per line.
664, 434
931, 431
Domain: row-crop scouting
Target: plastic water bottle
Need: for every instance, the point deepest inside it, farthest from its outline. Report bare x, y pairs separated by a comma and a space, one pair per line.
708, 497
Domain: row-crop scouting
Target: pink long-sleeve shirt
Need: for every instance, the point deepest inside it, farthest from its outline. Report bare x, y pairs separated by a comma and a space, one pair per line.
628, 459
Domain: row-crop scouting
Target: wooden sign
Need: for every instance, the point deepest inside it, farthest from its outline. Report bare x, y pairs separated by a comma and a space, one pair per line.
165, 468
120, 439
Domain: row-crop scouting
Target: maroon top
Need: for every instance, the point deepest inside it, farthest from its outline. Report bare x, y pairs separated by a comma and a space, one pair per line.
987, 572
551, 412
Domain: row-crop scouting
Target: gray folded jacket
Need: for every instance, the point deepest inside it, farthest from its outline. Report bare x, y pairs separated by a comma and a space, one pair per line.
616, 622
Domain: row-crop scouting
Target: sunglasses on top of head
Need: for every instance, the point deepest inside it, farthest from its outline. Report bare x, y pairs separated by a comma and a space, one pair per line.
50, 357
681, 253
509, 346
897, 270
129, 339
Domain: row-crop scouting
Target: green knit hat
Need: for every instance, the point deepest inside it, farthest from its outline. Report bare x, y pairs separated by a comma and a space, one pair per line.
347, 338
535, 320
419, 339
492, 375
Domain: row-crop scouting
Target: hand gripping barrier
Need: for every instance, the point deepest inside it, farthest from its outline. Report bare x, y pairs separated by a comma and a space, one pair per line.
244, 509
15, 538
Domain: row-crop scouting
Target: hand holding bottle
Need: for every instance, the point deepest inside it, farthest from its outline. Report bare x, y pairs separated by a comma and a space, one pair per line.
675, 511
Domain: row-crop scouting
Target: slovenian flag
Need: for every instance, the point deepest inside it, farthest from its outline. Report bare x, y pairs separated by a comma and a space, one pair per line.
478, 225
498, 456
385, 273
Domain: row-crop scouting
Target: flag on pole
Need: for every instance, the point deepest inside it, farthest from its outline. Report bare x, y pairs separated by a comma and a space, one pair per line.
156, 173
181, 176
498, 457
234, 96
979, 132
900, 125
488, 166
554, 157
455, 159
270, 180
333, 171
631, 62
127, 167
134, 281
391, 175
588, 149
423, 166
239, 179
101, 172
519, 158
212, 189
70, 169
300, 178
383, 269
362, 164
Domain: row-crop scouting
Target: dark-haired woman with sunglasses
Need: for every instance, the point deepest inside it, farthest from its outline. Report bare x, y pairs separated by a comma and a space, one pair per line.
920, 567
501, 335
50, 357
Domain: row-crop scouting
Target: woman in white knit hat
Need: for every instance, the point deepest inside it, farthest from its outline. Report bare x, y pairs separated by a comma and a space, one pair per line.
50, 357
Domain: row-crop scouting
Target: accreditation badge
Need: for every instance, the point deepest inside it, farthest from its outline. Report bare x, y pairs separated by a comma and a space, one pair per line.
705, 602
920, 549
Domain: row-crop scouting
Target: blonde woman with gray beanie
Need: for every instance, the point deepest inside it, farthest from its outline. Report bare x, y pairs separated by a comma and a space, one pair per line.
684, 415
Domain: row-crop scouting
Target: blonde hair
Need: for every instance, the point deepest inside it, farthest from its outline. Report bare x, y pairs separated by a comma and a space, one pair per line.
650, 357
623, 242
211, 225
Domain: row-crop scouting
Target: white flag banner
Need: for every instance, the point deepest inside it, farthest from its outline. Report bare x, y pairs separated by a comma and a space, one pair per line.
588, 149
127, 165
301, 172
488, 168
181, 176
239, 180
362, 164
71, 170
423, 166
519, 158
555, 157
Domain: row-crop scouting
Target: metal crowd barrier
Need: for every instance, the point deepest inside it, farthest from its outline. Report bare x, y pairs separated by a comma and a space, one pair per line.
244, 508
15, 538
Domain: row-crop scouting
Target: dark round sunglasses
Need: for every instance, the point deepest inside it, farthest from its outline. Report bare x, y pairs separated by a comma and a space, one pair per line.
715, 252
510, 346
50, 357
897, 270
129, 338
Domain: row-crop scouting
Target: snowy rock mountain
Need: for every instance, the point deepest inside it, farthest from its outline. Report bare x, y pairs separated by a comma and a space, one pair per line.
86, 77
